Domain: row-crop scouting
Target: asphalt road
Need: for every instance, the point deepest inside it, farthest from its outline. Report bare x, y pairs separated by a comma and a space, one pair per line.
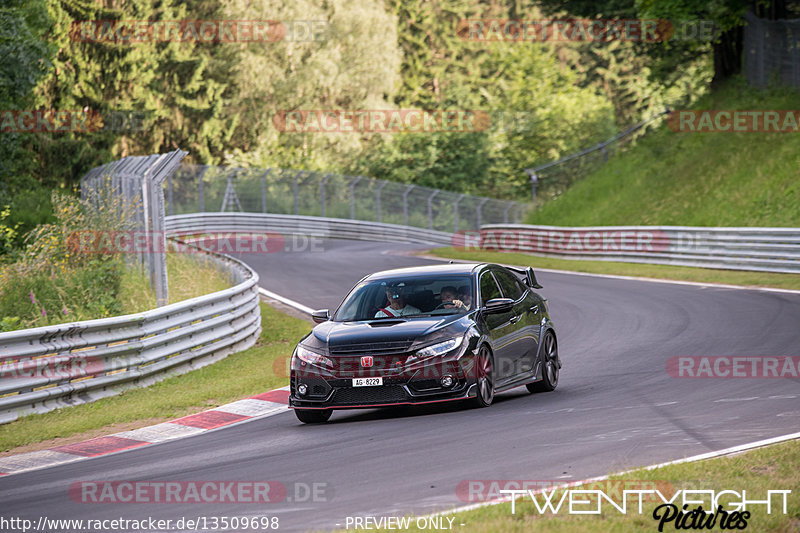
615, 408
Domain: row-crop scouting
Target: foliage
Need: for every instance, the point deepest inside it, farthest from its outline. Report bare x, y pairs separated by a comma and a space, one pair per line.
53, 280
694, 179
352, 65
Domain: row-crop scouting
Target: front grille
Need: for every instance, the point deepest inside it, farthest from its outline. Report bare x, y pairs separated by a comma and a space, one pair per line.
359, 395
371, 348
381, 365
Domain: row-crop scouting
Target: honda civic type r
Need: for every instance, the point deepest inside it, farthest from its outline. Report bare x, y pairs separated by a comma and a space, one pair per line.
426, 334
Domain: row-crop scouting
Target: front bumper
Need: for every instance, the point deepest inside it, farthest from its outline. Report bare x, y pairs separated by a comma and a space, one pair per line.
419, 383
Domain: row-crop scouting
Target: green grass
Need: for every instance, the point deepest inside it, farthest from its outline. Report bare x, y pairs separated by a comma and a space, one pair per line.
757, 471
253, 371
694, 179
700, 275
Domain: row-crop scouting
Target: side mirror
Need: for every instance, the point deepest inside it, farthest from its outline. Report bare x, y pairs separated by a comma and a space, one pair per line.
320, 315
532, 279
499, 305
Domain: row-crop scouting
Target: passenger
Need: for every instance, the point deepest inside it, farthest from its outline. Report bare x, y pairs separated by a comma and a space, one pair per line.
449, 299
397, 304
465, 295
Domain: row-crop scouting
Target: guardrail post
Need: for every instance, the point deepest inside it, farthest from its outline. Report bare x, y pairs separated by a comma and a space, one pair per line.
322, 192
405, 204
353, 197
455, 212
430, 208
480, 207
378, 198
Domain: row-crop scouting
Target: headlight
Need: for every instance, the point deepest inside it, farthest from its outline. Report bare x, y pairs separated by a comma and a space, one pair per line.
440, 348
307, 356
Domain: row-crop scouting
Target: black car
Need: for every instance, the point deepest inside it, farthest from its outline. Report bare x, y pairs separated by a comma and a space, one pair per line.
426, 334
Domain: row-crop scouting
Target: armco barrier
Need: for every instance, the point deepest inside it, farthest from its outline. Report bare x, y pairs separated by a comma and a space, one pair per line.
759, 249
306, 225
50, 367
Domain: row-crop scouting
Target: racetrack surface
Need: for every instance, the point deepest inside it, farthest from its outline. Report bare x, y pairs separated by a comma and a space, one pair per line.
615, 408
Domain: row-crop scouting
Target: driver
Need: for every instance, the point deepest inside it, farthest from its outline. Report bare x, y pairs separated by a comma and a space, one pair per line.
449, 299
397, 304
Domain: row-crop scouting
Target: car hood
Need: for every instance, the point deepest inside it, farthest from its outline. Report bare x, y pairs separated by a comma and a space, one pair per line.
424, 330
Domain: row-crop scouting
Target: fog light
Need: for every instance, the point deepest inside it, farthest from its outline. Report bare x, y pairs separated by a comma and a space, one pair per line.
447, 381
302, 389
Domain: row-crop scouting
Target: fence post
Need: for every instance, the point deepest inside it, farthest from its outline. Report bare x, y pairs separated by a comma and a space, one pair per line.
405, 204
480, 215
322, 192
264, 190
505, 212
170, 204
430, 208
534, 179
353, 197
201, 198
294, 188
455, 212
378, 198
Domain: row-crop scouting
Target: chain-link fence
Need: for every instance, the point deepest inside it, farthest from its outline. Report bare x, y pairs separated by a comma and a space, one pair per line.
137, 181
552, 179
198, 189
771, 51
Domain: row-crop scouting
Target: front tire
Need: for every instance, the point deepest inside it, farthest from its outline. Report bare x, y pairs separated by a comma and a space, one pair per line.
485, 378
313, 416
550, 366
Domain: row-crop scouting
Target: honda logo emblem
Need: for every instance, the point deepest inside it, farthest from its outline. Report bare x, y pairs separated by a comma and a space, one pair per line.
366, 361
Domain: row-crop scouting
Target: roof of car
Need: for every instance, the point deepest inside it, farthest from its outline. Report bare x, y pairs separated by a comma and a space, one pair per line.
450, 268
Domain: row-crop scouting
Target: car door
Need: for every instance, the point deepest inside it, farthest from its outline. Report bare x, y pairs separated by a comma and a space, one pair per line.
525, 320
501, 329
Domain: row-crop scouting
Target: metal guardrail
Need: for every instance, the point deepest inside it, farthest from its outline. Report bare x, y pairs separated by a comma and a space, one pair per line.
56, 366
757, 249
305, 225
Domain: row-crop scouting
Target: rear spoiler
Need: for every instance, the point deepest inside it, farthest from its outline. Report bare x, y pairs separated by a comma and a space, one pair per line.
528, 275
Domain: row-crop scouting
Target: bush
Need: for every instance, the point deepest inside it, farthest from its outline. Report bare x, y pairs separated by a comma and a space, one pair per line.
51, 281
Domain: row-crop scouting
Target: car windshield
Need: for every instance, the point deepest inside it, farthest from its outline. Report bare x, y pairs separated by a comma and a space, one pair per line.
412, 296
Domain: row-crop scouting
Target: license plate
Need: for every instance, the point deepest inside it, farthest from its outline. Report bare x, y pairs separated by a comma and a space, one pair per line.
367, 382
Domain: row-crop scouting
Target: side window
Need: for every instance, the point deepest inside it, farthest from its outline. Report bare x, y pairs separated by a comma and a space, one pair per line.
489, 288
509, 283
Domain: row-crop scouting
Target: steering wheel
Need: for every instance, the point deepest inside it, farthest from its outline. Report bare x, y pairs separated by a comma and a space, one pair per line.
442, 305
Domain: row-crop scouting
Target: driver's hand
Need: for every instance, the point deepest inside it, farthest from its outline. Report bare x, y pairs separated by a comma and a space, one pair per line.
458, 303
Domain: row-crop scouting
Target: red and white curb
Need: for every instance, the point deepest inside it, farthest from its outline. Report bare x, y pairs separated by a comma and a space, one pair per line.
260, 406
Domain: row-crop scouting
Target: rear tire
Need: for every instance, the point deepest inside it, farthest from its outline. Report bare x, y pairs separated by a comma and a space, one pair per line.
484, 368
313, 416
550, 364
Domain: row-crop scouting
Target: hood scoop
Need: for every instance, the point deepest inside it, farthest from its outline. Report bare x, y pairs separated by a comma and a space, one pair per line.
385, 323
